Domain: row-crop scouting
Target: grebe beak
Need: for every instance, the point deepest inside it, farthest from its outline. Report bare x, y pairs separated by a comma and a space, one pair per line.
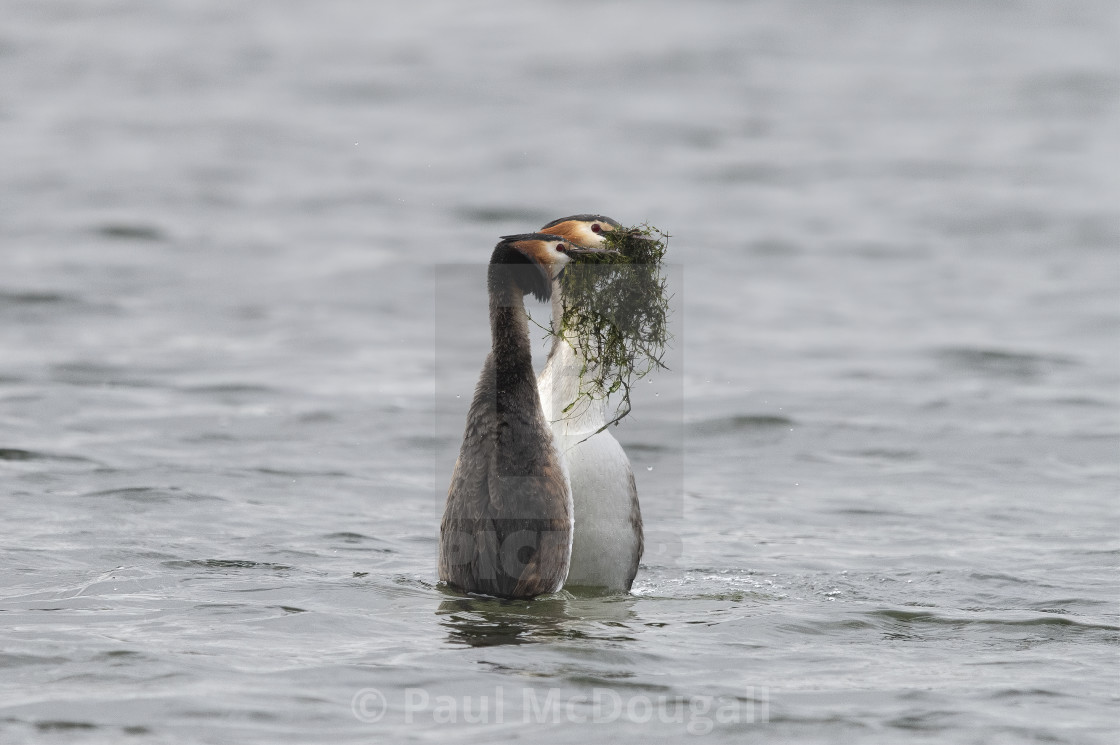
577, 250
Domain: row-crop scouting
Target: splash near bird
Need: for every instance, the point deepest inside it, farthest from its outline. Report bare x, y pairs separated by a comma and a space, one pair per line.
507, 523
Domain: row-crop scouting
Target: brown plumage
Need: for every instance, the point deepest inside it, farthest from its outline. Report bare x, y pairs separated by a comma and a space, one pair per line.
507, 524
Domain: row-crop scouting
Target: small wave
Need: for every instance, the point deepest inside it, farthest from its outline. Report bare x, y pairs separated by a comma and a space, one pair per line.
883, 454
868, 512
90, 373
1101, 552
151, 494
414, 583
932, 721
20, 454
1001, 362
759, 424
1014, 693
14, 301
131, 232
63, 725
19, 660
295, 474
9, 297
359, 541
1062, 605
225, 564
229, 388
347, 537
917, 617
1086, 401
645, 447
880, 457
1001, 577
487, 215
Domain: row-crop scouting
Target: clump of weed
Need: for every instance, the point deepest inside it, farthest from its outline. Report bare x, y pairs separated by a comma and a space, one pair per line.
615, 314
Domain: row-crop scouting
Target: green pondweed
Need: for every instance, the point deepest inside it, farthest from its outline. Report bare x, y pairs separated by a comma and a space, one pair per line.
615, 315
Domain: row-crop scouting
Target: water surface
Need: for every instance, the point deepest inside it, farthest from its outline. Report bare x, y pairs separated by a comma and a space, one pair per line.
882, 503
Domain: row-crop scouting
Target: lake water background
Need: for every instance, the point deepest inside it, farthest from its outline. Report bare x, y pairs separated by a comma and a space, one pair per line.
238, 251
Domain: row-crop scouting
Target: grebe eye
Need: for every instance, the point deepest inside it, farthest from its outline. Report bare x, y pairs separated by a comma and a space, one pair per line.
595, 228
560, 247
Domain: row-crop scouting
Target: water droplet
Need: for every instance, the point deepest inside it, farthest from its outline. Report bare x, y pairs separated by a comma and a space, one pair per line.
649, 468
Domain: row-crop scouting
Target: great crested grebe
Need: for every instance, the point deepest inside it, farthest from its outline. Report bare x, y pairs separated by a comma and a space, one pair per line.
507, 524
607, 543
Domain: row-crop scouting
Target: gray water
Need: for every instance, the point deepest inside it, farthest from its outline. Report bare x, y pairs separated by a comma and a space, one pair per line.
881, 478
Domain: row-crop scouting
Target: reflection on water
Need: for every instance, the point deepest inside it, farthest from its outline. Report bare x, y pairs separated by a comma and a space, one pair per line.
485, 622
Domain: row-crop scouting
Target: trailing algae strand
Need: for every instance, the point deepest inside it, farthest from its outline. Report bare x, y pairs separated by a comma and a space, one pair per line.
615, 314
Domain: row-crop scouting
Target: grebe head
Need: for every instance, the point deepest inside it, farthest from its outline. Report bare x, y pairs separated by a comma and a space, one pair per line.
583, 230
549, 253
